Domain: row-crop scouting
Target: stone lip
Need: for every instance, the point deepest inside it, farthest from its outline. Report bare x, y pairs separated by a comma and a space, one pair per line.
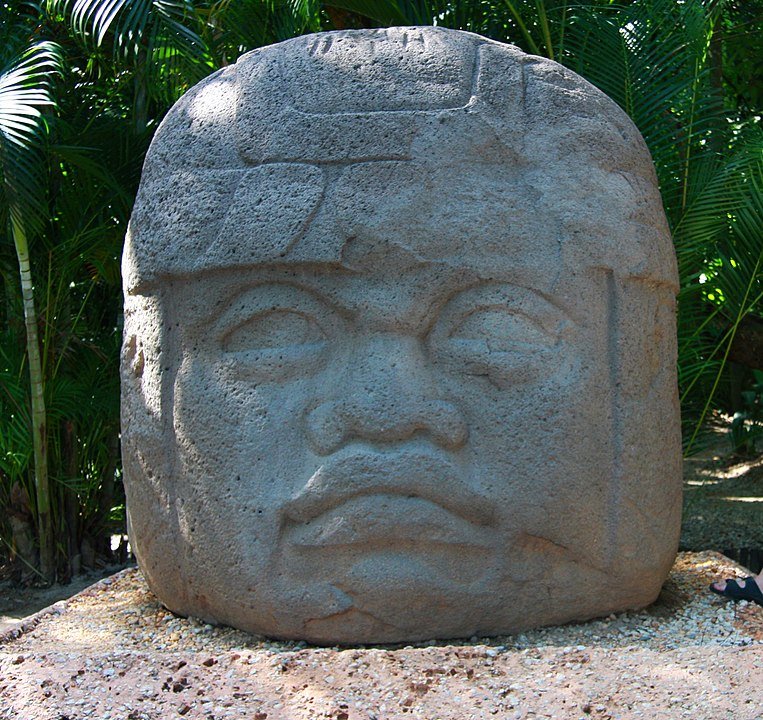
412, 473
386, 521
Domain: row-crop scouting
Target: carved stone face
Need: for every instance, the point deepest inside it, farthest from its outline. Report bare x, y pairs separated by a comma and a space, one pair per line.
421, 434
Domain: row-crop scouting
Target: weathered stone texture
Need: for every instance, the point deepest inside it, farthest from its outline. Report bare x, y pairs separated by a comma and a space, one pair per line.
399, 355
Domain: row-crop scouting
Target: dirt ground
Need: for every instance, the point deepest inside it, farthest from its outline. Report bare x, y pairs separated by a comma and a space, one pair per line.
113, 653
723, 502
18, 602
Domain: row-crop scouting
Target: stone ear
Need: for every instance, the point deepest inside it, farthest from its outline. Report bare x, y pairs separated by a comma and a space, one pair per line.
133, 357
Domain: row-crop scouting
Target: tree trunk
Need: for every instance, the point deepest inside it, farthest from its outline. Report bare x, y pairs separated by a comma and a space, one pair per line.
39, 420
19, 514
102, 541
140, 97
70, 463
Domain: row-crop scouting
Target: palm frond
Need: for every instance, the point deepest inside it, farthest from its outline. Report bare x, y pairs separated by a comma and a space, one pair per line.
25, 90
162, 39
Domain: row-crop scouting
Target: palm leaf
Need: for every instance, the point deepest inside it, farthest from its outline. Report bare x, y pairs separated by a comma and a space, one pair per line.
161, 39
25, 89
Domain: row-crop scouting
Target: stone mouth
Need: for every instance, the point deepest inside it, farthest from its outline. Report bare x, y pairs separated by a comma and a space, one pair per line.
385, 520
379, 484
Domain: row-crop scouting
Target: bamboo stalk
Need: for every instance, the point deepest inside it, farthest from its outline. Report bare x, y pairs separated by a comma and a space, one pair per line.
39, 417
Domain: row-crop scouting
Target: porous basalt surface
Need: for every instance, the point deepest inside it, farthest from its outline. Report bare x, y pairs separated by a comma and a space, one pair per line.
399, 351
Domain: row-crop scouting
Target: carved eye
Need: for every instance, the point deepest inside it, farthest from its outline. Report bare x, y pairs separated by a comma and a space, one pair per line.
499, 330
275, 345
501, 333
274, 333
273, 330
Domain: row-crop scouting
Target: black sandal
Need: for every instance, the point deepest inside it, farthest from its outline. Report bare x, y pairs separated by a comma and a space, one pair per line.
734, 591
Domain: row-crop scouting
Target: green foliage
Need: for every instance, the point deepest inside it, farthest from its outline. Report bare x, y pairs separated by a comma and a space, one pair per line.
15, 437
157, 40
62, 189
120, 64
235, 26
25, 89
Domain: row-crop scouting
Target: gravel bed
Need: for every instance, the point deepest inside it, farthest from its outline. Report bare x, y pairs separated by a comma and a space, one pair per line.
112, 652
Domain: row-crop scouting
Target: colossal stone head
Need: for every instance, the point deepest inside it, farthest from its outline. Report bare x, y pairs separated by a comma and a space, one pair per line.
399, 356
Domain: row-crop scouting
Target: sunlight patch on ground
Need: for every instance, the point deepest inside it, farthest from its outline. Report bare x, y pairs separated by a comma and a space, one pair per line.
736, 471
729, 473
731, 498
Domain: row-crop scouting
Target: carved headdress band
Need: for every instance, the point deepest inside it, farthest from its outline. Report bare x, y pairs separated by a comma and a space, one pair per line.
265, 190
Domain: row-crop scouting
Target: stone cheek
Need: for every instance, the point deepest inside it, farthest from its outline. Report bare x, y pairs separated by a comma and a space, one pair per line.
377, 392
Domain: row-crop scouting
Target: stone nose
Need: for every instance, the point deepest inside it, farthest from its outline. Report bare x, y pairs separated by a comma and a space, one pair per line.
388, 395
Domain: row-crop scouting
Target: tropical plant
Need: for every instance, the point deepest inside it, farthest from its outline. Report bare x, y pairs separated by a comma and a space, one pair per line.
232, 27
658, 59
72, 218
120, 64
24, 90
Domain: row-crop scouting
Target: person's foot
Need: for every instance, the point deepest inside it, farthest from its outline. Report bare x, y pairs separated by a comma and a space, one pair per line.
720, 585
750, 588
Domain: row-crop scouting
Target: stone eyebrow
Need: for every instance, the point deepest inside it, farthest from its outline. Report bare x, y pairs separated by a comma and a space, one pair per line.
548, 302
